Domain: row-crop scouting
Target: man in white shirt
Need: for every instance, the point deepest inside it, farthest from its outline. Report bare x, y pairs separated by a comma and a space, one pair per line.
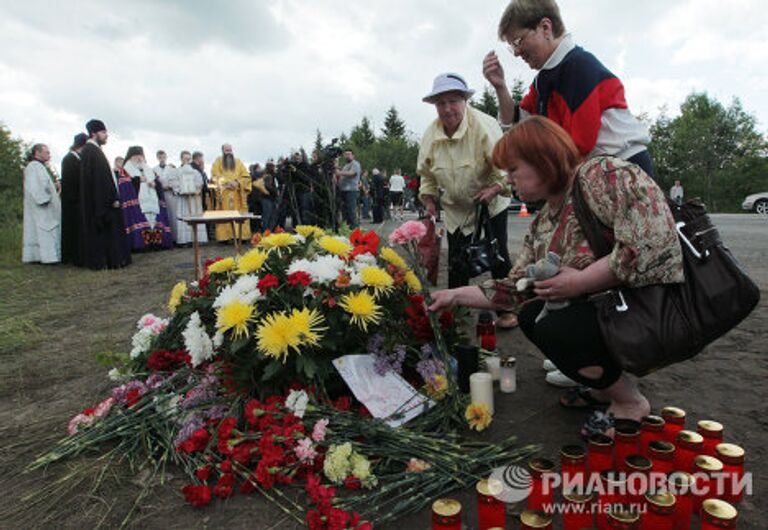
396, 188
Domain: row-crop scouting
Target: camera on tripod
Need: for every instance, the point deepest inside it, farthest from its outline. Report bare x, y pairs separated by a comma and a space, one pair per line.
330, 152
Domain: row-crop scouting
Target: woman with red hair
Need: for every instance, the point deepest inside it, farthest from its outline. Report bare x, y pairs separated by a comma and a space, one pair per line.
543, 163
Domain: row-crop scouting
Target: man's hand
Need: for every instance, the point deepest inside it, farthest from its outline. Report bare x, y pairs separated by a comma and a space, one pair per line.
444, 299
429, 204
486, 195
493, 71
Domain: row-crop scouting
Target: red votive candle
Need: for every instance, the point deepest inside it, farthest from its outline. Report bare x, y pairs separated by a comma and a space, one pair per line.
578, 511
651, 428
689, 445
638, 470
660, 514
542, 484
662, 455
486, 331
732, 457
623, 518
717, 515
599, 454
491, 512
626, 442
704, 469
712, 432
674, 422
612, 494
535, 520
681, 485
573, 467
446, 514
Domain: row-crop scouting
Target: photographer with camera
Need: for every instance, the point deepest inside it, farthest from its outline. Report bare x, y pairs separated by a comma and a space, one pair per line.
455, 156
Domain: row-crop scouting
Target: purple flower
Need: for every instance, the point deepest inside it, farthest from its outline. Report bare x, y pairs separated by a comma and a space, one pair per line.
194, 423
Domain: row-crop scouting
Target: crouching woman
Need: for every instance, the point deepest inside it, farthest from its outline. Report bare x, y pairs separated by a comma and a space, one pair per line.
543, 163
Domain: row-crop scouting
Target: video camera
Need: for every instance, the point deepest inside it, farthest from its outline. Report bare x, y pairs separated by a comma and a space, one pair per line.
330, 152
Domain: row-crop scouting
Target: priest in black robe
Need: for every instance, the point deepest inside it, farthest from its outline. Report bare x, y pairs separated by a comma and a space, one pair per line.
71, 250
103, 233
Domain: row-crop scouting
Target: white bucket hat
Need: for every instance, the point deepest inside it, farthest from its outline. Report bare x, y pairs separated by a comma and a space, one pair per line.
449, 82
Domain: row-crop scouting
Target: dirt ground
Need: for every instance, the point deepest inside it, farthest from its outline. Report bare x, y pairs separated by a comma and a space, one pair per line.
54, 320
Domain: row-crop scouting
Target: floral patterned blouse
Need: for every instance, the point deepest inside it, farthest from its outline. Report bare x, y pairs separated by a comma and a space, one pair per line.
646, 248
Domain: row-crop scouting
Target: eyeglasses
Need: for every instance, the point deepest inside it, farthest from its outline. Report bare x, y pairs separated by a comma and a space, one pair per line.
515, 44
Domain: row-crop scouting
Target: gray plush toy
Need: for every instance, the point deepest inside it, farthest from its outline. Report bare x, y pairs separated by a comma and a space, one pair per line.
545, 268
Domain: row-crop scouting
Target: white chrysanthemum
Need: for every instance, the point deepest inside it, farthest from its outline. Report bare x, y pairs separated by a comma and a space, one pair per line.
296, 402
323, 269
118, 376
244, 289
196, 340
364, 260
218, 339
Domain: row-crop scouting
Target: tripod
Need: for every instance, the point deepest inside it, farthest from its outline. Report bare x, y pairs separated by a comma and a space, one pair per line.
292, 203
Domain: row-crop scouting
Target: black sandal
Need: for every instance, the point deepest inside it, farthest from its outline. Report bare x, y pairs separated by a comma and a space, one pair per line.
581, 398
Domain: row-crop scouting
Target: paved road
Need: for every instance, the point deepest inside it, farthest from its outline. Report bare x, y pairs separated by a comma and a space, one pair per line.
745, 234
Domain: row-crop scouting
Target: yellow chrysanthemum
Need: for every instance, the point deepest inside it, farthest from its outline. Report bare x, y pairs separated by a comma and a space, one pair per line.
277, 334
235, 316
176, 293
362, 307
309, 325
377, 278
436, 387
278, 241
310, 230
335, 246
223, 265
413, 282
390, 255
251, 261
478, 416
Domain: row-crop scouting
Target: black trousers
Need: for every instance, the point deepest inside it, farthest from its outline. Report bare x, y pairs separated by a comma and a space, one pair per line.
458, 267
570, 338
643, 159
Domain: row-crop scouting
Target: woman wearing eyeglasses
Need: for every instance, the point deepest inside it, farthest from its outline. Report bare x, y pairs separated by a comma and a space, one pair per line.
572, 87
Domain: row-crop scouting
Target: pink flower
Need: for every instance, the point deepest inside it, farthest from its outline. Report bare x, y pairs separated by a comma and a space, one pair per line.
305, 452
318, 431
408, 231
77, 421
103, 408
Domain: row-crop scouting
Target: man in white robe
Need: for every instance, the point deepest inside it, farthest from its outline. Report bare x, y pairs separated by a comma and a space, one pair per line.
42, 211
167, 174
137, 167
188, 187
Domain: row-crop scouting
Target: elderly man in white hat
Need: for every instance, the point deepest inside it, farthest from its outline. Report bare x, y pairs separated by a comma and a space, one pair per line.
455, 157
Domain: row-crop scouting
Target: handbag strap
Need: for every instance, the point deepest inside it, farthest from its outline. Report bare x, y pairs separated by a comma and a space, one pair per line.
482, 222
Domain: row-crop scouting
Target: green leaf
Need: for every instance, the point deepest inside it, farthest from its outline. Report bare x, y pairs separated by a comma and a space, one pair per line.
272, 369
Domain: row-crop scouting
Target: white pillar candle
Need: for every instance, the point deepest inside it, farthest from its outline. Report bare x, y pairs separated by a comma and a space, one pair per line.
508, 381
481, 389
493, 365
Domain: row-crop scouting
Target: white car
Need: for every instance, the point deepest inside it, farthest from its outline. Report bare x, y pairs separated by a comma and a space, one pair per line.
757, 202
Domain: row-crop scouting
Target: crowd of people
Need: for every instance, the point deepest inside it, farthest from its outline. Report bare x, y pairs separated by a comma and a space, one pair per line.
96, 216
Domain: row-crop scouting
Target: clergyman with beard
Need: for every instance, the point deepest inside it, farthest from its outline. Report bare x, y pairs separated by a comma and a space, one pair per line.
233, 185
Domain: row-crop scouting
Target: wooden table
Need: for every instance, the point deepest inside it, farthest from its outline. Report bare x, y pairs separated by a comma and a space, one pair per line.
217, 217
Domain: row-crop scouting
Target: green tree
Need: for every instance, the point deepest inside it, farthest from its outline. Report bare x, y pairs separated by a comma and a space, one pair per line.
394, 127
518, 89
318, 141
362, 135
487, 103
11, 195
716, 152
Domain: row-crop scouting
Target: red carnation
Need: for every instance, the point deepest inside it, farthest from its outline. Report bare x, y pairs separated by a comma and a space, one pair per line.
253, 410
197, 496
242, 452
198, 441
446, 320
343, 403
352, 483
223, 488
202, 473
299, 278
133, 396
263, 475
269, 281
225, 431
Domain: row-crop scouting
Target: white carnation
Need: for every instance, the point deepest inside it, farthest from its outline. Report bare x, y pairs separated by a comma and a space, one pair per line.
296, 402
196, 340
141, 341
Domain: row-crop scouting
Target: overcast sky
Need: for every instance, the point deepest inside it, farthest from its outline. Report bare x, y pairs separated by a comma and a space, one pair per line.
264, 75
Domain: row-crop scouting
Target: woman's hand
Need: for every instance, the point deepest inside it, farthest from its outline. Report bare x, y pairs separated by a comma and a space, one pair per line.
568, 283
486, 195
444, 299
493, 71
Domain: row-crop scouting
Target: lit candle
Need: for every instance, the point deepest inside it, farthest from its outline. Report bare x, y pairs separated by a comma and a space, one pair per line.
481, 389
493, 365
508, 374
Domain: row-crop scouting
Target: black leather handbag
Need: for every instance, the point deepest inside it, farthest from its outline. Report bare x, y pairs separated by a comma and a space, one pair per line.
647, 328
483, 251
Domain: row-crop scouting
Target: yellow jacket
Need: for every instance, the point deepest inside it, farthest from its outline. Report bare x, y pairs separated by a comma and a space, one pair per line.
461, 166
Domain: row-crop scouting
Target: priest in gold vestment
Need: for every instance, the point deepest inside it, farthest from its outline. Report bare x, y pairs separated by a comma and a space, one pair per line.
233, 184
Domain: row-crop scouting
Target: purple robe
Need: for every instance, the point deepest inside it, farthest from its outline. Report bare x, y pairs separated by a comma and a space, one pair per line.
140, 235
